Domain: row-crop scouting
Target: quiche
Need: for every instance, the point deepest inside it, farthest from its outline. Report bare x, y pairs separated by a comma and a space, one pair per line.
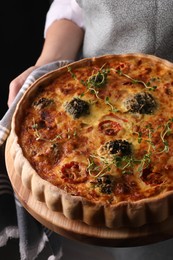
94, 140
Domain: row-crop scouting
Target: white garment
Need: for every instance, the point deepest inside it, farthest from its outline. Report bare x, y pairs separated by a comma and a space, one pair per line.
64, 9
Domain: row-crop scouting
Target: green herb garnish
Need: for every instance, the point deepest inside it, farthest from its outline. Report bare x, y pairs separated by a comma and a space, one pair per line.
107, 102
126, 163
137, 81
71, 73
98, 79
166, 131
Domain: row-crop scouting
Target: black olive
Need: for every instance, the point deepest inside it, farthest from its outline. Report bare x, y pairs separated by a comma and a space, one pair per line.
41, 124
106, 184
119, 146
43, 102
142, 103
77, 107
106, 189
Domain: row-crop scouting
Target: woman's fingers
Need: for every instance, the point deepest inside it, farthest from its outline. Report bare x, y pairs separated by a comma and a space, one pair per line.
17, 83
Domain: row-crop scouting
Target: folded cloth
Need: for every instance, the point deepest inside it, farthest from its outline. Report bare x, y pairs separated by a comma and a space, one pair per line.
35, 240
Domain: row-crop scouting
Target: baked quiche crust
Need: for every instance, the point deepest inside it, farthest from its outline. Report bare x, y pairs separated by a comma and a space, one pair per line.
94, 140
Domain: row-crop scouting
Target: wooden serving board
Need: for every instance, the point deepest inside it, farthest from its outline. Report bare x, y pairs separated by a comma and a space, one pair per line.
122, 237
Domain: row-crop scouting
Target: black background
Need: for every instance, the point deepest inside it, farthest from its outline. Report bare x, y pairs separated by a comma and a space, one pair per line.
21, 39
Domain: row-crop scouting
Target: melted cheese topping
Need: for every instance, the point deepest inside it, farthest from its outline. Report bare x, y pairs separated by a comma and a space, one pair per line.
73, 153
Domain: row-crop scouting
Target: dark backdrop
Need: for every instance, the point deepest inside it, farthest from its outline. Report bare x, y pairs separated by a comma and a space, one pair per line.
21, 39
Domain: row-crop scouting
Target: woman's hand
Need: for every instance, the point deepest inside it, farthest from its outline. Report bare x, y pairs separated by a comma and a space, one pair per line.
17, 83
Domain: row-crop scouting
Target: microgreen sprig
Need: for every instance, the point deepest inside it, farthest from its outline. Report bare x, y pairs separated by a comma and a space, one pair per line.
137, 81
71, 73
144, 163
166, 131
98, 79
94, 82
94, 169
124, 163
38, 136
107, 102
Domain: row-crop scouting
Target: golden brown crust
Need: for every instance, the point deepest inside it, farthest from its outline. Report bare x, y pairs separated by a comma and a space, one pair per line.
140, 190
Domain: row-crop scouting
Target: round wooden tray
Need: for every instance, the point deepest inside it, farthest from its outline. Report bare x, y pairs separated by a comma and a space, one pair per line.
122, 237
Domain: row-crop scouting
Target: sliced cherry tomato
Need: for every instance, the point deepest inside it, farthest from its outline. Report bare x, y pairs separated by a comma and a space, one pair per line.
74, 172
109, 127
152, 178
121, 66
